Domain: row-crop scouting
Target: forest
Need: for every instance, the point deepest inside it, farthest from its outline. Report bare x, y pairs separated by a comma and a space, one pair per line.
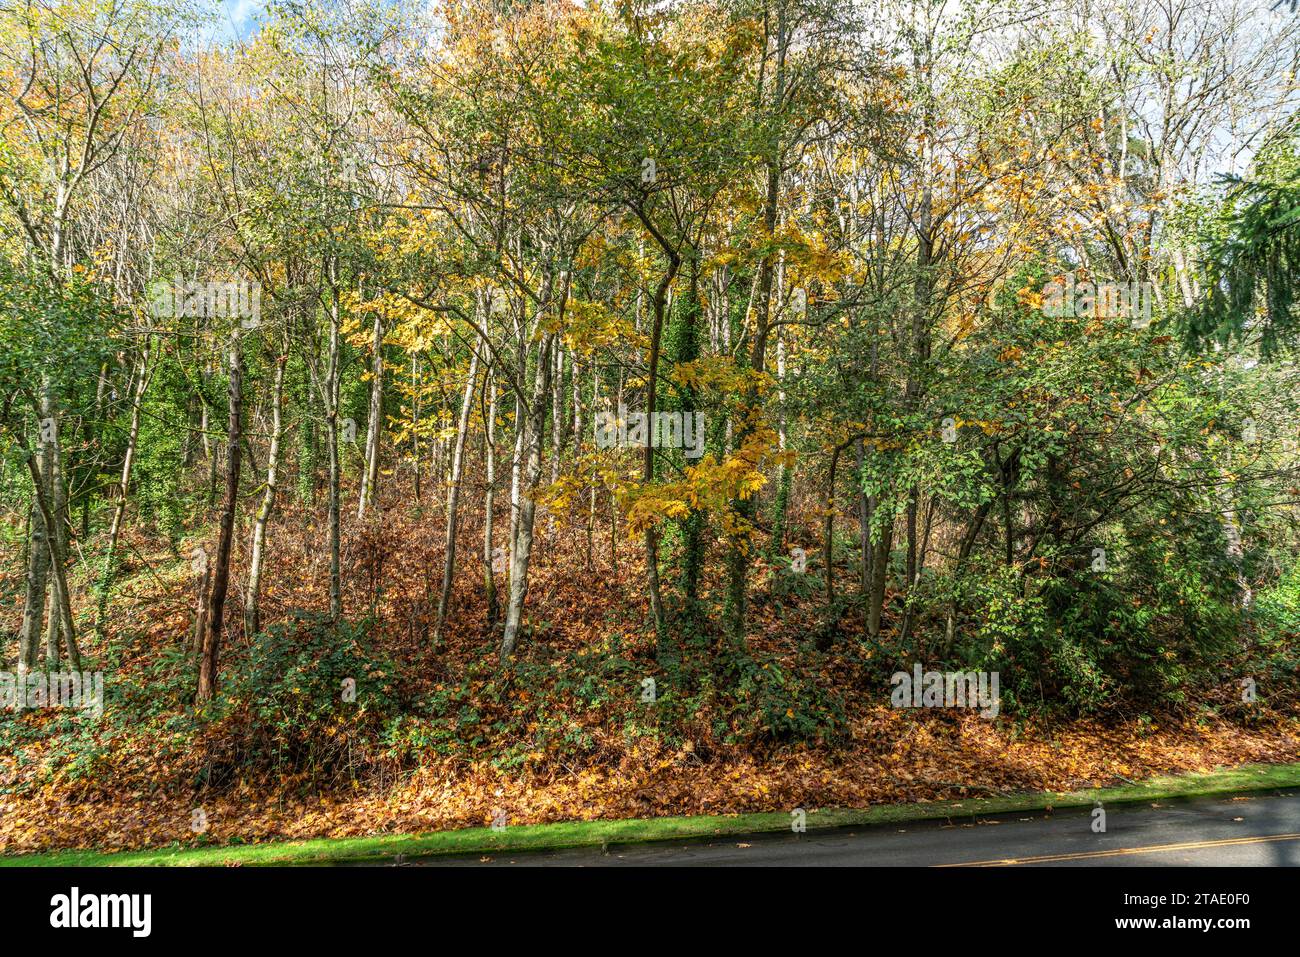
464, 413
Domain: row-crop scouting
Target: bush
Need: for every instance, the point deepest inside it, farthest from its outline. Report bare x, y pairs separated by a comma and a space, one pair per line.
780, 705
301, 697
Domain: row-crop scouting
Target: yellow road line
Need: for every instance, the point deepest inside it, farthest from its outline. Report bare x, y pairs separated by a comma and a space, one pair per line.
1124, 851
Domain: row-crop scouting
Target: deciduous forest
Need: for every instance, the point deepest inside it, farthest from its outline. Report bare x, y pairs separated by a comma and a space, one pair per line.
421, 416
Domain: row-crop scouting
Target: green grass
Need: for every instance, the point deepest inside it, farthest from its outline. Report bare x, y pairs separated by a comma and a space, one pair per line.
483, 840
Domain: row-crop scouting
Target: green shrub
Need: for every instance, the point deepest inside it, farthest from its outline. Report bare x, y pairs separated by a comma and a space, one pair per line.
302, 695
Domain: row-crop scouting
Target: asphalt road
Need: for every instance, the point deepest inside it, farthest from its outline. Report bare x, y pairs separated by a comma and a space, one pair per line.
1261, 829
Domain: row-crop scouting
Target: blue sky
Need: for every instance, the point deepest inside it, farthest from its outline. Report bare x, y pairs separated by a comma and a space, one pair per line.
238, 18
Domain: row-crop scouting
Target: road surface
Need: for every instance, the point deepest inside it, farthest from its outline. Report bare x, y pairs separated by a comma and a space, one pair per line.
1254, 830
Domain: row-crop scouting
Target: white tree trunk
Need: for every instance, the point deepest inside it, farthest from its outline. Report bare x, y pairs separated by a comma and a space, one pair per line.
522, 552
252, 595
489, 496
453, 497
374, 428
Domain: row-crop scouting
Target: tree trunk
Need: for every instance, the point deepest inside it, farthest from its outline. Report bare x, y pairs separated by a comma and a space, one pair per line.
516, 468
781, 508
201, 613
828, 536
374, 428
648, 461
252, 596
879, 577
210, 450
123, 487
591, 501
521, 553
57, 532
38, 565
332, 444
308, 439
55, 562
559, 430
489, 495
692, 526
453, 497
209, 657
864, 523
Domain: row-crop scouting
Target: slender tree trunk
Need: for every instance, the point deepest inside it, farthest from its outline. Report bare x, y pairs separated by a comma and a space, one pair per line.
828, 536
648, 461
332, 444
123, 488
415, 423
128, 461
374, 428
252, 596
879, 577
210, 451
687, 343
453, 497
908, 613
38, 564
591, 502
38, 552
210, 654
489, 496
60, 581
786, 479
864, 523
559, 430
920, 336
57, 532
520, 555
576, 379
912, 572
201, 613
516, 469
